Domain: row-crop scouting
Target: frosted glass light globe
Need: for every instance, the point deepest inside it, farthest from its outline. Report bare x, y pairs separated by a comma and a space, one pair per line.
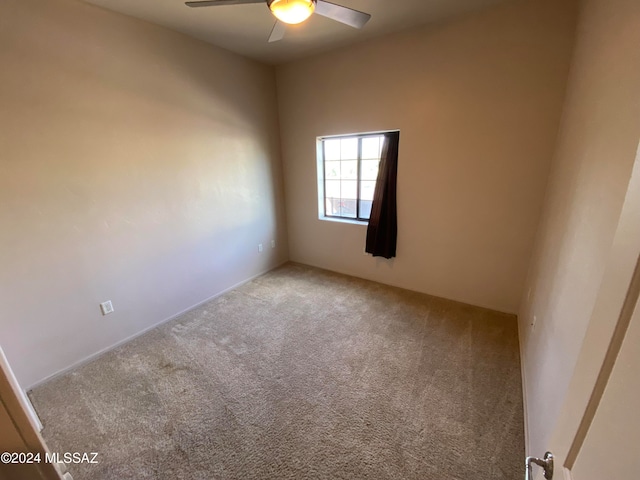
292, 11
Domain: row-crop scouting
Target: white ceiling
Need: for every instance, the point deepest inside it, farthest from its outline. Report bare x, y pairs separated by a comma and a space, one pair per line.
244, 29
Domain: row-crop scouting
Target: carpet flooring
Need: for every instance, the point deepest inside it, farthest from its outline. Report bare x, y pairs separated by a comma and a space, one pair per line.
300, 374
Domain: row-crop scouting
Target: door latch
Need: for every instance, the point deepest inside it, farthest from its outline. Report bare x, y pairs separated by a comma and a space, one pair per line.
546, 463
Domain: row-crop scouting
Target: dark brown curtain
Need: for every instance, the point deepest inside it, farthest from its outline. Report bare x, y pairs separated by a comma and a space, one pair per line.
383, 223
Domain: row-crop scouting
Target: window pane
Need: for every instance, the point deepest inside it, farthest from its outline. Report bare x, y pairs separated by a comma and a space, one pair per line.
349, 148
366, 190
348, 208
332, 149
371, 147
332, 189
332, 170
349, 170
349, 189
350, 167
365, 209
332, 206
370, 169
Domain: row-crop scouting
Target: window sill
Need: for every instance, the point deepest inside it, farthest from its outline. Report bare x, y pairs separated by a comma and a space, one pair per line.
363, 223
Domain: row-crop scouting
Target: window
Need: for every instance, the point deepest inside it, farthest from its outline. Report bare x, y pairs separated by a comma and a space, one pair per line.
347, 172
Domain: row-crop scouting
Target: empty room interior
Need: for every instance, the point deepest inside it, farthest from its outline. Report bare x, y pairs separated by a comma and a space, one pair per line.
234, 248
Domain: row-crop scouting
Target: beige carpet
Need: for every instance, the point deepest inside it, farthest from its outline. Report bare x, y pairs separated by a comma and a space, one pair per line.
300, 374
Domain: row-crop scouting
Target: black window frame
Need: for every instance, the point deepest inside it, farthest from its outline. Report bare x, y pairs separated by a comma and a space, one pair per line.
322, 162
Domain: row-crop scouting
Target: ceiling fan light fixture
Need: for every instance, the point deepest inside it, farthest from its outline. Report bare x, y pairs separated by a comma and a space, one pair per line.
292, 11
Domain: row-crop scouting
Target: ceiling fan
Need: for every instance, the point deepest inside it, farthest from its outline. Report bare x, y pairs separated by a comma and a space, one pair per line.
296, 11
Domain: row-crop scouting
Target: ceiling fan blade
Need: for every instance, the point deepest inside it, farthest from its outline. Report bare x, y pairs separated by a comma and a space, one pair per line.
341, 14
277, 32
215, 3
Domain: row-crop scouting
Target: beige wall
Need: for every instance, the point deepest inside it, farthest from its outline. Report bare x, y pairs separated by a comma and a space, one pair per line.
136, 165
594, 158
478, 104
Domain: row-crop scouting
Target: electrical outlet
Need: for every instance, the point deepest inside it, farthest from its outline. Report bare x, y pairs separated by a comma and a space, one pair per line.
260, 247
273, 244
533, 323
106, 307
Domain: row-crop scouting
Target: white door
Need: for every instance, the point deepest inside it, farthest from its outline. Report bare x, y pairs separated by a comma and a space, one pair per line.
19, 434
611, 448
597, 435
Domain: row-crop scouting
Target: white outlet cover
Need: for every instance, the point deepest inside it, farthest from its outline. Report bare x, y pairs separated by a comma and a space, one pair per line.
106, 307
259, 247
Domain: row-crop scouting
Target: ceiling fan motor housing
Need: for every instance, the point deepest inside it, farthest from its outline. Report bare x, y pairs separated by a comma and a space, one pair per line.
269, 2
